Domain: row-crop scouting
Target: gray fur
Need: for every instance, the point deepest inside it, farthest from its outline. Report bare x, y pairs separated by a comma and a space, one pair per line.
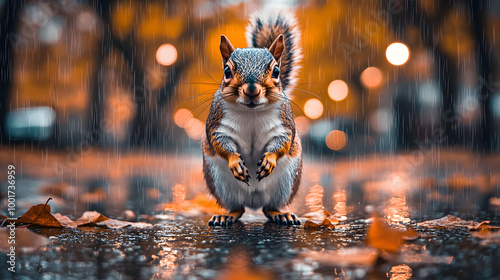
265, 27
252, 64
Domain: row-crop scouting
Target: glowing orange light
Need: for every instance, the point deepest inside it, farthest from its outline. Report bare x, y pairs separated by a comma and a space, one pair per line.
313, 108
336, 140
182, 117
338, 90
302, 124
314, 199
195, 129
166, 54
397, 54
340, 208
371, 77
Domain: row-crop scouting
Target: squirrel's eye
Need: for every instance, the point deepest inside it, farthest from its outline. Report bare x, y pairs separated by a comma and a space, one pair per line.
227, 73
276, 72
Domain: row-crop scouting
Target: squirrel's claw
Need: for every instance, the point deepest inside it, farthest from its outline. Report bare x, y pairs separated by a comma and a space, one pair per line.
286, 219
221, 220
266, 165
239, 170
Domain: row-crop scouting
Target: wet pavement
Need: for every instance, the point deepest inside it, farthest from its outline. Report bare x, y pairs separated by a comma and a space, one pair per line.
405, 189
185, 248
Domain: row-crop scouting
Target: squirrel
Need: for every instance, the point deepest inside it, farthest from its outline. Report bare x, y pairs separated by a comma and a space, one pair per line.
250, 127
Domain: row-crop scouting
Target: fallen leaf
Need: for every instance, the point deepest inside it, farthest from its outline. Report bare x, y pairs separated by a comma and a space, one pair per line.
381, 236
65, 221
327, 223
451, 221
91, 218
410, 234
39, 215
488, 237
116, 224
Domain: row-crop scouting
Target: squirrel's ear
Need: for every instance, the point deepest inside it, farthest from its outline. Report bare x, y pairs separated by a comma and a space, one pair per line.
225, 48
277, 48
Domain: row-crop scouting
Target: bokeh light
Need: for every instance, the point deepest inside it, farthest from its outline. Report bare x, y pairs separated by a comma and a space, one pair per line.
313, 108
302, 124
166, 54
182, 117
397, 54
371, 77
336, 140
338, 90
195, 129
381, 120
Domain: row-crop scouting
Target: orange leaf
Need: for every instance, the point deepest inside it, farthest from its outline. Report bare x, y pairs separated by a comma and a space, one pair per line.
325, 224
91, 218
410, 234
310, 224
451, 221
65, 221
381, 236
39, 215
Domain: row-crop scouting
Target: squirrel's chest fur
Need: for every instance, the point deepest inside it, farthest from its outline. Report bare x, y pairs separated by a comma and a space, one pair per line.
252, 130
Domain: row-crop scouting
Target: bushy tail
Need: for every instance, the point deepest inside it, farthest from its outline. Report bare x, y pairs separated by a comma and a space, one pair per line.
265, 27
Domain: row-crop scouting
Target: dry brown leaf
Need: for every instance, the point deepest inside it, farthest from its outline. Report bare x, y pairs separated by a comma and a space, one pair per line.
487, 234
451, 221
39, 215
488, 237
112, 223
65, 221
327, 223
310, 224
381, 236
410, 234
91, 218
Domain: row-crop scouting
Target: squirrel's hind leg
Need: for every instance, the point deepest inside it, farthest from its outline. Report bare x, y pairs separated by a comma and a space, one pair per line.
278, 217
227, 219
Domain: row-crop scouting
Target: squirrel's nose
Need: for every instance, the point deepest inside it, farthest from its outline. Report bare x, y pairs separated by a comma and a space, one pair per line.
251, 90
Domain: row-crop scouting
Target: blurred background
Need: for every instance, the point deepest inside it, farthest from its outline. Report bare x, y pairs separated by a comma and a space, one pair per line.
111, 97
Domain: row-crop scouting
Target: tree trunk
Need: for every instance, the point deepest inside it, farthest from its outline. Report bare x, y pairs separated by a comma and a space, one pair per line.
8, 39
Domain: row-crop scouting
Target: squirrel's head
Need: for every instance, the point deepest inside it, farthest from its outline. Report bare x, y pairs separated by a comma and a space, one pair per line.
251, 75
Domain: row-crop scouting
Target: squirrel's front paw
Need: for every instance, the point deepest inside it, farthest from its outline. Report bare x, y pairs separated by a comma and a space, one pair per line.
266, 165
238, 168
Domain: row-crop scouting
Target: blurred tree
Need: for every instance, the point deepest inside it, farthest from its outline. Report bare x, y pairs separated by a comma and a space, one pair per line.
432, 19
478, 17
10, 14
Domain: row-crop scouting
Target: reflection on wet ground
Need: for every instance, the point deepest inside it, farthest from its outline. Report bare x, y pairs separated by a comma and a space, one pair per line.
184, 247
405, 189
